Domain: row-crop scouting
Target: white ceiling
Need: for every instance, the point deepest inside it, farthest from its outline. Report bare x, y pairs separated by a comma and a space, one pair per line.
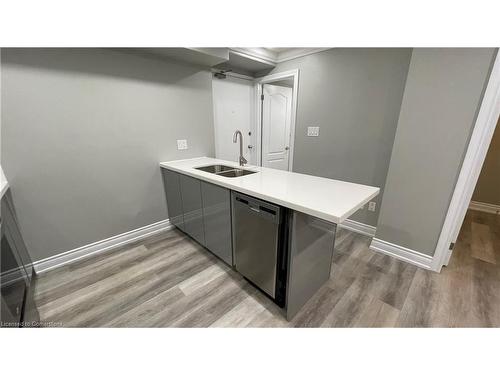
276, 55
280, 49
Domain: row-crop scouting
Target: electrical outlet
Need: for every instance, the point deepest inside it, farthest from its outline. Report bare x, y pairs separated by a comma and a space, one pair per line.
371, 206
182, 144
313, 131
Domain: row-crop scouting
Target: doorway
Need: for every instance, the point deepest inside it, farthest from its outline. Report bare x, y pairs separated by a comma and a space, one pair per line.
234, 109
479, 235
276, 116
263, 109
486, 122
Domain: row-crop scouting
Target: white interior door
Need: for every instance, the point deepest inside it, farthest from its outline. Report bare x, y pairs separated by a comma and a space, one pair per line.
233, 100
276, 124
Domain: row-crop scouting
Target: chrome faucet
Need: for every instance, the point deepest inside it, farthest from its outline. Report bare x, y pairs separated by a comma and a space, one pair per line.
242, 160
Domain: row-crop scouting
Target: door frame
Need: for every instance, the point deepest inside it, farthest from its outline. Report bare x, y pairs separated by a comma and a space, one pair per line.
479, 143
258, 131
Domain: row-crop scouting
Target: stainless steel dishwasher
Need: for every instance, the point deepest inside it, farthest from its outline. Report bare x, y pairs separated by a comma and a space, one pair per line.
259, 244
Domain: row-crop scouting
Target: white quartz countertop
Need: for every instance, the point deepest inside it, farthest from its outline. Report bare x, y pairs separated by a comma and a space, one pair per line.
328, 199
4, 185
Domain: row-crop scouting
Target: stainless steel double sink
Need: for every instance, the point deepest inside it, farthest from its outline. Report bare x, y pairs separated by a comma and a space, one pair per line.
225, 170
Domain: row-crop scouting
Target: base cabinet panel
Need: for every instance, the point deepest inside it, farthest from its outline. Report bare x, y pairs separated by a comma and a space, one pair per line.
17, 279
193, 208
217, 220
174, 200
310, 258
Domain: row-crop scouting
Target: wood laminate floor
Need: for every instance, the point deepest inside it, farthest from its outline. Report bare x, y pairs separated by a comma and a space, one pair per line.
170, 281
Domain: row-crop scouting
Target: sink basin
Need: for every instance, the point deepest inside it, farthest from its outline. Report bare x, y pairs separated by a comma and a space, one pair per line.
215, 168
236, 173
224, 170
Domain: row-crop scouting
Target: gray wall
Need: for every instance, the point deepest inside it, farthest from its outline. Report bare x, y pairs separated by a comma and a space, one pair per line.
441, 99
488, 186
354, 95
82, 134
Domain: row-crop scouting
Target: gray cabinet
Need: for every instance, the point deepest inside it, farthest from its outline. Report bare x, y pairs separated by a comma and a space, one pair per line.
174, 200
201, 210
217, 220
18, 283
311, 252
193, 208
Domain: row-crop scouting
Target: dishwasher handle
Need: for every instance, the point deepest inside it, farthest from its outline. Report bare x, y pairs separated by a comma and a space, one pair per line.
258, 207
254, 209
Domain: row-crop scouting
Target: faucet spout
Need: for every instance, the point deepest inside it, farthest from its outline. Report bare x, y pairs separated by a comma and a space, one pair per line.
241, 159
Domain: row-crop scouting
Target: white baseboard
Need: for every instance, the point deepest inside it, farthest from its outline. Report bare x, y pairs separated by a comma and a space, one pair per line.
402, 253
356, 226
485, 207
107, 244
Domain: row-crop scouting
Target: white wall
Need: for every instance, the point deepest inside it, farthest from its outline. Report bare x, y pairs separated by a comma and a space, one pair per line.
234, 108
83, 131
354, 95
442, 96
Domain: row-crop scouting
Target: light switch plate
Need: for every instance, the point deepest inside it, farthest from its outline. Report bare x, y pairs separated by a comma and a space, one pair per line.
182, 144
313, 131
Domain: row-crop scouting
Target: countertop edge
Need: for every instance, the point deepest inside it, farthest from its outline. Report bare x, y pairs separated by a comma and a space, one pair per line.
4, 184
306, 210
5, 187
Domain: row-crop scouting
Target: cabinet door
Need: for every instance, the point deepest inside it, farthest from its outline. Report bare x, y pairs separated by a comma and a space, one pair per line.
217, 220
193, 210
174, 200
13, 281
9, 220
13, 276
